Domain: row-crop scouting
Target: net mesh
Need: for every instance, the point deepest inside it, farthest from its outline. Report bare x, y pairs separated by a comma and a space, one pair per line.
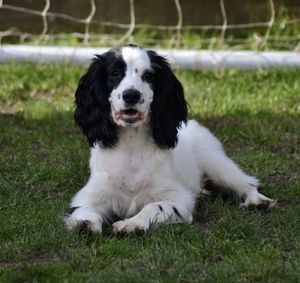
280, 30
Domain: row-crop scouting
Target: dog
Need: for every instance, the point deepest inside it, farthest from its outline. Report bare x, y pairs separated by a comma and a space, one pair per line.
148, 161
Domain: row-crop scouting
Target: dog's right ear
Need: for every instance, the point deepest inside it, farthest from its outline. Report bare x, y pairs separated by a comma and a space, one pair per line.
93, 111
168, 108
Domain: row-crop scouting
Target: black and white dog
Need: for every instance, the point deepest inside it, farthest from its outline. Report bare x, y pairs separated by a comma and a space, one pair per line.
147, 160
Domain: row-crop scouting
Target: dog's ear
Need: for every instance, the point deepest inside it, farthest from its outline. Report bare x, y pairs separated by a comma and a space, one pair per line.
93, 112
169, 108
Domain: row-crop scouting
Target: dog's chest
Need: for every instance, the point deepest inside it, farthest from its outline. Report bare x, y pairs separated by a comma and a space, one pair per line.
131, 170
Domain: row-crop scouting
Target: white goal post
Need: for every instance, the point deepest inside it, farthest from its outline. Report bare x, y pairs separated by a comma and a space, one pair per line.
184, 59
217, 49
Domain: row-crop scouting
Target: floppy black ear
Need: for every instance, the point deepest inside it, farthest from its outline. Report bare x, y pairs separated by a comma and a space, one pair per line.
168, 109
92, 113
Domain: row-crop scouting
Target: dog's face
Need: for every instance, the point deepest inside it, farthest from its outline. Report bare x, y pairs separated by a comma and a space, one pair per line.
132, 79
129, 87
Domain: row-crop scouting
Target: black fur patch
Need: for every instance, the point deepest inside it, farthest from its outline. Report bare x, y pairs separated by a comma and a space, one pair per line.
160, 207
70, 210
109, 218
176, 212
243, 198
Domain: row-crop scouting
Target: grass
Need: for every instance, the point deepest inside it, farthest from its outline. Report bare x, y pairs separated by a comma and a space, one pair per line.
44, 161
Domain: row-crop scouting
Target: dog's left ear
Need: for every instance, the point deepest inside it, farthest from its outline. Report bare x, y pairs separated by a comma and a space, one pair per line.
169, 108
93, 113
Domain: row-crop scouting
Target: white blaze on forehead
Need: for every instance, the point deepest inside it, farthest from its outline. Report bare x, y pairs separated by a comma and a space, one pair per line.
135, 58
137, 62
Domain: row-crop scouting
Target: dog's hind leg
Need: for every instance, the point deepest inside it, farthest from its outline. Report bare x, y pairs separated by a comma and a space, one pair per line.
222, 171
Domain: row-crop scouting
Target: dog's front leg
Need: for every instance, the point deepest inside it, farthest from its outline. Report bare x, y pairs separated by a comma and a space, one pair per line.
156, 212
87, 210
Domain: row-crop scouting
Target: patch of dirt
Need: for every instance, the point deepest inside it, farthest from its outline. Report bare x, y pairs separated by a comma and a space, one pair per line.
216, 258
239, 145
69, 132
45, 95
8, 108
278, 178
290, 143
282, 203
201, 220
201, 223
42, 258
221, 122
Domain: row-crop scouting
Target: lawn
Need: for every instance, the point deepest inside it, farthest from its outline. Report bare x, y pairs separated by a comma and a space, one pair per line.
44, 161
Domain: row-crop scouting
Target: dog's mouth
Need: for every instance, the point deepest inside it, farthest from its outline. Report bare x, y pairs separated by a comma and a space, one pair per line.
130, 116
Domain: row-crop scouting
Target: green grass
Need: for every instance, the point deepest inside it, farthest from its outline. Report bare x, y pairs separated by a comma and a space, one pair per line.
44, 161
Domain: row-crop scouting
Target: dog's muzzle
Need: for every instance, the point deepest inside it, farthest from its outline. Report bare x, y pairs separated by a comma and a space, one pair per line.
130, 116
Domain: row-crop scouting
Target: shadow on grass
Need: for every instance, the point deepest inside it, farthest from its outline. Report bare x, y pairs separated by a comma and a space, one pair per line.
44, 161
51, 146
278, 133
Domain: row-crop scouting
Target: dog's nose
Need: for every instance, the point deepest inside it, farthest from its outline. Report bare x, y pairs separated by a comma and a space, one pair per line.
131, 96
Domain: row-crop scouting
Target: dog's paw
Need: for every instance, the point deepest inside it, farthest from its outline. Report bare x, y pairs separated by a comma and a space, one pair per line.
83, 220
128, 226
257, 201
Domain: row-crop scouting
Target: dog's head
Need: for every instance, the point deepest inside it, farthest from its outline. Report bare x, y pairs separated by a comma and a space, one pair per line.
128, 87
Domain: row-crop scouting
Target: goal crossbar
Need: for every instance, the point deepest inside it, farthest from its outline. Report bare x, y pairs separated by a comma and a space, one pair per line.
183, 59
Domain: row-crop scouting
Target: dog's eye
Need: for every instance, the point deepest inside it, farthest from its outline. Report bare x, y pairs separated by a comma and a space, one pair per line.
115, 74
148, 77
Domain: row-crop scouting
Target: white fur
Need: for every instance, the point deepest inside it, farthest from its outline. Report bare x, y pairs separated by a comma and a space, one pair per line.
144, 184
136, 177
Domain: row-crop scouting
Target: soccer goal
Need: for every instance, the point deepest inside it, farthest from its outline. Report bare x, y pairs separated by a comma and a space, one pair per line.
72, 31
